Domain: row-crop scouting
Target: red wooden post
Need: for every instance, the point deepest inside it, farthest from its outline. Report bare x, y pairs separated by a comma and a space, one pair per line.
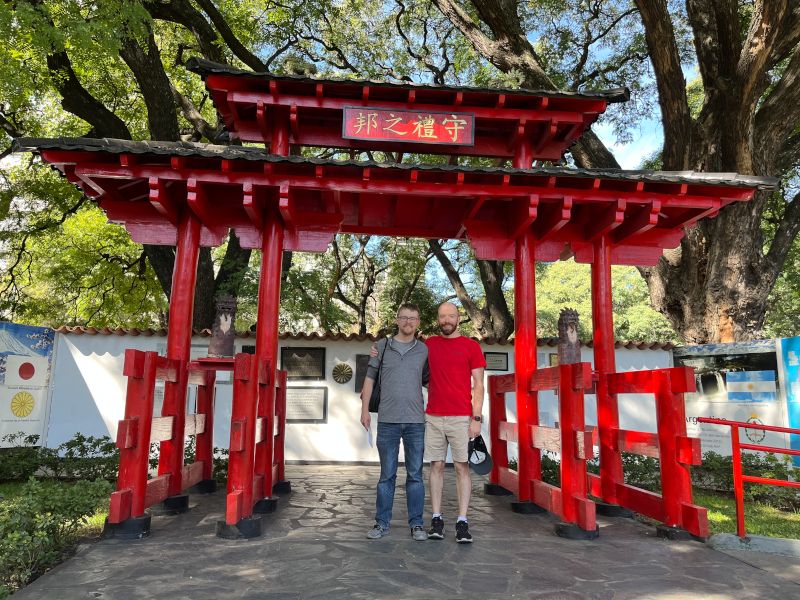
204, 442
676, 481
133, 437
499, 447
269, 296
243, 434
605, 363
529, 459
179, 341
280, 417
575, 446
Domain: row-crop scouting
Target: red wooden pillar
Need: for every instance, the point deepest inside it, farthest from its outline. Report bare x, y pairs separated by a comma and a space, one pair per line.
205, 440
605, 363
179, 342
529, 459
269, 297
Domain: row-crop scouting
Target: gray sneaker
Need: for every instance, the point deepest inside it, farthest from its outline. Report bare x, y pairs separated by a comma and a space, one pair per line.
377, 532
418, 533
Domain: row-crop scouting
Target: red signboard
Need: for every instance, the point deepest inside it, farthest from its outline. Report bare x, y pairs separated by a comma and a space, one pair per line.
376, 124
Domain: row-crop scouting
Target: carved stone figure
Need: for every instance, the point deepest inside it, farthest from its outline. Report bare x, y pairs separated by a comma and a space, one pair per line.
223, 333
569, 344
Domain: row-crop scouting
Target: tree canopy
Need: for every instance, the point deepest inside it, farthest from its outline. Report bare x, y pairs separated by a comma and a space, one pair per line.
114, 68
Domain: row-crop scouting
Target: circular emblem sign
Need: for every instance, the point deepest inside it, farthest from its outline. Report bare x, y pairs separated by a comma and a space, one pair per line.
22, 404
756, 436
342, 373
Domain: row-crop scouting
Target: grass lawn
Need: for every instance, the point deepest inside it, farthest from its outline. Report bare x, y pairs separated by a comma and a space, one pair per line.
93, 526
759, 519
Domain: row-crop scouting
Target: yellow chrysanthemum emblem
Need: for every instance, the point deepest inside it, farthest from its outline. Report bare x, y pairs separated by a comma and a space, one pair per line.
22, 404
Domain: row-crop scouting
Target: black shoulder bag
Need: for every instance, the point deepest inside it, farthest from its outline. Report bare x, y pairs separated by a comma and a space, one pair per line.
375, 397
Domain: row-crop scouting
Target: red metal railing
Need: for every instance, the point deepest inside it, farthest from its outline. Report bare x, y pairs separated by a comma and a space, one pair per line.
739, 478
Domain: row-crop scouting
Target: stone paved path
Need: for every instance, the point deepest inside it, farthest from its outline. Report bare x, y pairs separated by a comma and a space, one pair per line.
314, 547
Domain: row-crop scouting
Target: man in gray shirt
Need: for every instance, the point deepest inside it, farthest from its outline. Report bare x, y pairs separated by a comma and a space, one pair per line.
403, 362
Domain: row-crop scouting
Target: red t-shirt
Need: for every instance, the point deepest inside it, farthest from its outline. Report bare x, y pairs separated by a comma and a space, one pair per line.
451, 361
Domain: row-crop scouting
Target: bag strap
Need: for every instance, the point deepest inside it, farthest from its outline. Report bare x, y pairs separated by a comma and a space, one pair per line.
380, 362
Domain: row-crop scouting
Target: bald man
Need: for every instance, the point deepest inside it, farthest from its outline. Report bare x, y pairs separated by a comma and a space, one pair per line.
453, 414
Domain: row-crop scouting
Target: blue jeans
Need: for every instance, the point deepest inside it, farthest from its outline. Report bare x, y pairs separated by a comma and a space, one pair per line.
389, 436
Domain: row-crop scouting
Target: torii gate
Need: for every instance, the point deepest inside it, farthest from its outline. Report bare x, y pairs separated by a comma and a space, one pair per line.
190, 195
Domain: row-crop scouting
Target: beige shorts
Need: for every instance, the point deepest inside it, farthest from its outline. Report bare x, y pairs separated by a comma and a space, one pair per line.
441, 431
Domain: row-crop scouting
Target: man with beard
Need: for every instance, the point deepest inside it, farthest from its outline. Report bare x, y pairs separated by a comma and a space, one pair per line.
402, 369
453, 414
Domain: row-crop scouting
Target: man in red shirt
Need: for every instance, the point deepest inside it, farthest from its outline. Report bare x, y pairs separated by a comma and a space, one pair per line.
453, 414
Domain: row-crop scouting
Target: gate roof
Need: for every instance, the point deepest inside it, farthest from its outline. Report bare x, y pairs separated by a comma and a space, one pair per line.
146, 185
248, 102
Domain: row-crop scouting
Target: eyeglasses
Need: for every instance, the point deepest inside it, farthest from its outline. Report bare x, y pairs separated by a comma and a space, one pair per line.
408, 319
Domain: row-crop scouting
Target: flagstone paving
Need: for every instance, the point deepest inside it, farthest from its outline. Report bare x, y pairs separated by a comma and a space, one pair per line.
314, 546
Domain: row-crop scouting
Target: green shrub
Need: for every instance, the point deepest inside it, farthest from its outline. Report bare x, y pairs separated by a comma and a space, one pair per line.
23, 458
39, 525
88, 457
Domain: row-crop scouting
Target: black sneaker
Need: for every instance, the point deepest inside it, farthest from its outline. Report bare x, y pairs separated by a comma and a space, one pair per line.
463, 536
436, 532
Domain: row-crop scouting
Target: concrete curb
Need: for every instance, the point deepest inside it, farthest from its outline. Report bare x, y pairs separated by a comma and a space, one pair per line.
755, 543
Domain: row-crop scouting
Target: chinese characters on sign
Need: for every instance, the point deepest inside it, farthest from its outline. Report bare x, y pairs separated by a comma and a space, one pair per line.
455, 129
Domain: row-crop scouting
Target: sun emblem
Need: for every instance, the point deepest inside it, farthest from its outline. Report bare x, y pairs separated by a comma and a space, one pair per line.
22, 404
342, 373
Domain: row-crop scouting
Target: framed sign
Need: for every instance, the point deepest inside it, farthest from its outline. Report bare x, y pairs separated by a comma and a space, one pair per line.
362, 361
303, 363
306, 404
496, 361
419, 127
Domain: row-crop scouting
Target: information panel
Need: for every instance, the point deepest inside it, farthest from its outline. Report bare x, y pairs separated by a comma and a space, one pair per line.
306, 404
303, 363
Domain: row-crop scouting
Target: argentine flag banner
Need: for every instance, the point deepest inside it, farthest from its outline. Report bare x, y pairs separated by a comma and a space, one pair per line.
751, 386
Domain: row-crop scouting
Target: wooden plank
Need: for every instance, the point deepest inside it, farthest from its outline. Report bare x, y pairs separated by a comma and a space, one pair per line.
641, 501
261, 424
682, 380
120, 506
502, 383
632, 382
547, 496
587, 513
595, 488
507, 431
508, 479
157, 490
233, 507
584, 449
167, 369
237, 435
161, 429
546, 438
548, 378
638, 442
127, 432
689, 450
695, 520
192, 474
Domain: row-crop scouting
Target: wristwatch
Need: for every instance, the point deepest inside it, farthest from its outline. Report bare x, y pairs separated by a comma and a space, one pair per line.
478, 418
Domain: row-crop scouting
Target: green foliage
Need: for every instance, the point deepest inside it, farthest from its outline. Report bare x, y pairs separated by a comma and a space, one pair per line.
716, 473
22, 458
39, 524
567, 284
86, 271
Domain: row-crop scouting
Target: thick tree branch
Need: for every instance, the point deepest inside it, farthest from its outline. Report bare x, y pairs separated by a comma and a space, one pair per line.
184, 13
663, 50
242, 53
147, 69
784, 236
779, 114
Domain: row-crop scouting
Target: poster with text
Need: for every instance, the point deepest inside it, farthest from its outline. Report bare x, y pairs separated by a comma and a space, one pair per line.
26, 354
735, 382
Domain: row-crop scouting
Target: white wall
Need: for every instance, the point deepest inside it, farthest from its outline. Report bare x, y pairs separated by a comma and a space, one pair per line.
89, 394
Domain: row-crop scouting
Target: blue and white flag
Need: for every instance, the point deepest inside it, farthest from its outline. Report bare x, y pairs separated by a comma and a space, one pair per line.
751, 386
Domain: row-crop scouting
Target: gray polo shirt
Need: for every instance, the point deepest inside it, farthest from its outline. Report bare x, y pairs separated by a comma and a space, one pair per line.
403, 371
